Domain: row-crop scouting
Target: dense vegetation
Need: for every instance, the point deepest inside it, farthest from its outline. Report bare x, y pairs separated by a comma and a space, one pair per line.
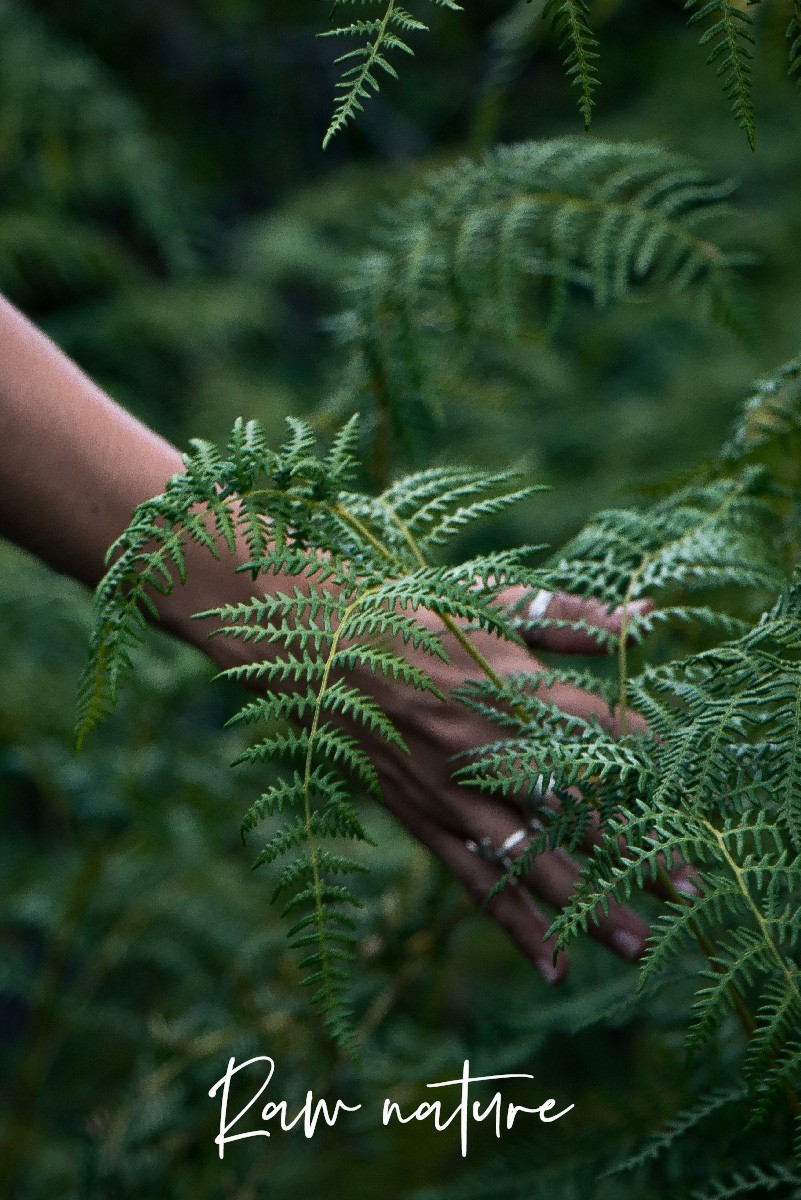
206, 268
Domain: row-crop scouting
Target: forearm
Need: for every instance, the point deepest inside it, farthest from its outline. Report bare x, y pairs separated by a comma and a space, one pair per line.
74, 466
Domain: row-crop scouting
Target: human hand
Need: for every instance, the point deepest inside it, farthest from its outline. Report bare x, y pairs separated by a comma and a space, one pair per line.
452, 821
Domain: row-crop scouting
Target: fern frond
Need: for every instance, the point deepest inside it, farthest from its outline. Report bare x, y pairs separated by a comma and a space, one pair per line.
688, 1119
712, 536
346, 584
378, 37
286, 792
741, 958
753, 1180
570, 18
770, 417
488, 252
770, 1060
680, 924
731, 36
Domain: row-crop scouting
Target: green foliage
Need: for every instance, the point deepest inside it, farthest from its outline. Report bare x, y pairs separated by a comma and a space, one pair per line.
666, 1138
570, 18
189, 278
486, 257
714, 781
723, 740
728, 32
73, 146
754, 1181
363, 570
730, 36
794, 42
379, 36
771, 417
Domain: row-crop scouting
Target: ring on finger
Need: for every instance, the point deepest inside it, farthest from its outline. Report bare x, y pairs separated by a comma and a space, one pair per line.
539, 605
501, 856
535, 801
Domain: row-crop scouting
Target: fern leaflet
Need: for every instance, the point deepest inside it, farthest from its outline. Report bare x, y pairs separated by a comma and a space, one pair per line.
570, 18
379, 36
731, 37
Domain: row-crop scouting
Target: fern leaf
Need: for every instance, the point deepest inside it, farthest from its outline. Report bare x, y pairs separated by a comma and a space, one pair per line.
754, 1180
378, 37
678, 1126
731, 37
570, 18
770, 417
487, 251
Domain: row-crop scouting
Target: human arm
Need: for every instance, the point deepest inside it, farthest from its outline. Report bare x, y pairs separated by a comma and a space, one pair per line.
73, 468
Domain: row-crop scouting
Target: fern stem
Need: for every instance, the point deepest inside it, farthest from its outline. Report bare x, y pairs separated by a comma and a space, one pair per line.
789, 977
319, 907
464, 641
738, 1003
364, 530
345, 110
740, 1007
622, 661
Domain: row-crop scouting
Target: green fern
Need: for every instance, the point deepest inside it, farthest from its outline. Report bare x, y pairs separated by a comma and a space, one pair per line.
754, 1181
570, 18
362, 569
771, 416
379, 37
487, 254
729, 34
716, 781
684, 1122
731, 37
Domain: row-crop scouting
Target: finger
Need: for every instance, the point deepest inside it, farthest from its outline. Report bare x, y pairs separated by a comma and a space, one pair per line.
681, 877
553, 876
577, 702
596, 622
513, 909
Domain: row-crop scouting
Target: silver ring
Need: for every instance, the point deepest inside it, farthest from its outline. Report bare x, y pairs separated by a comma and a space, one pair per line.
539, 605
501, 856
537, 795
484, 849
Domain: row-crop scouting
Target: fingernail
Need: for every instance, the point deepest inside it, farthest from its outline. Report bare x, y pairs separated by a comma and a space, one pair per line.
627, 944
686, 887
547, 970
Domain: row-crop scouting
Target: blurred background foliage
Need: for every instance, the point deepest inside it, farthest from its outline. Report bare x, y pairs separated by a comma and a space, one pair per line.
167, 215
